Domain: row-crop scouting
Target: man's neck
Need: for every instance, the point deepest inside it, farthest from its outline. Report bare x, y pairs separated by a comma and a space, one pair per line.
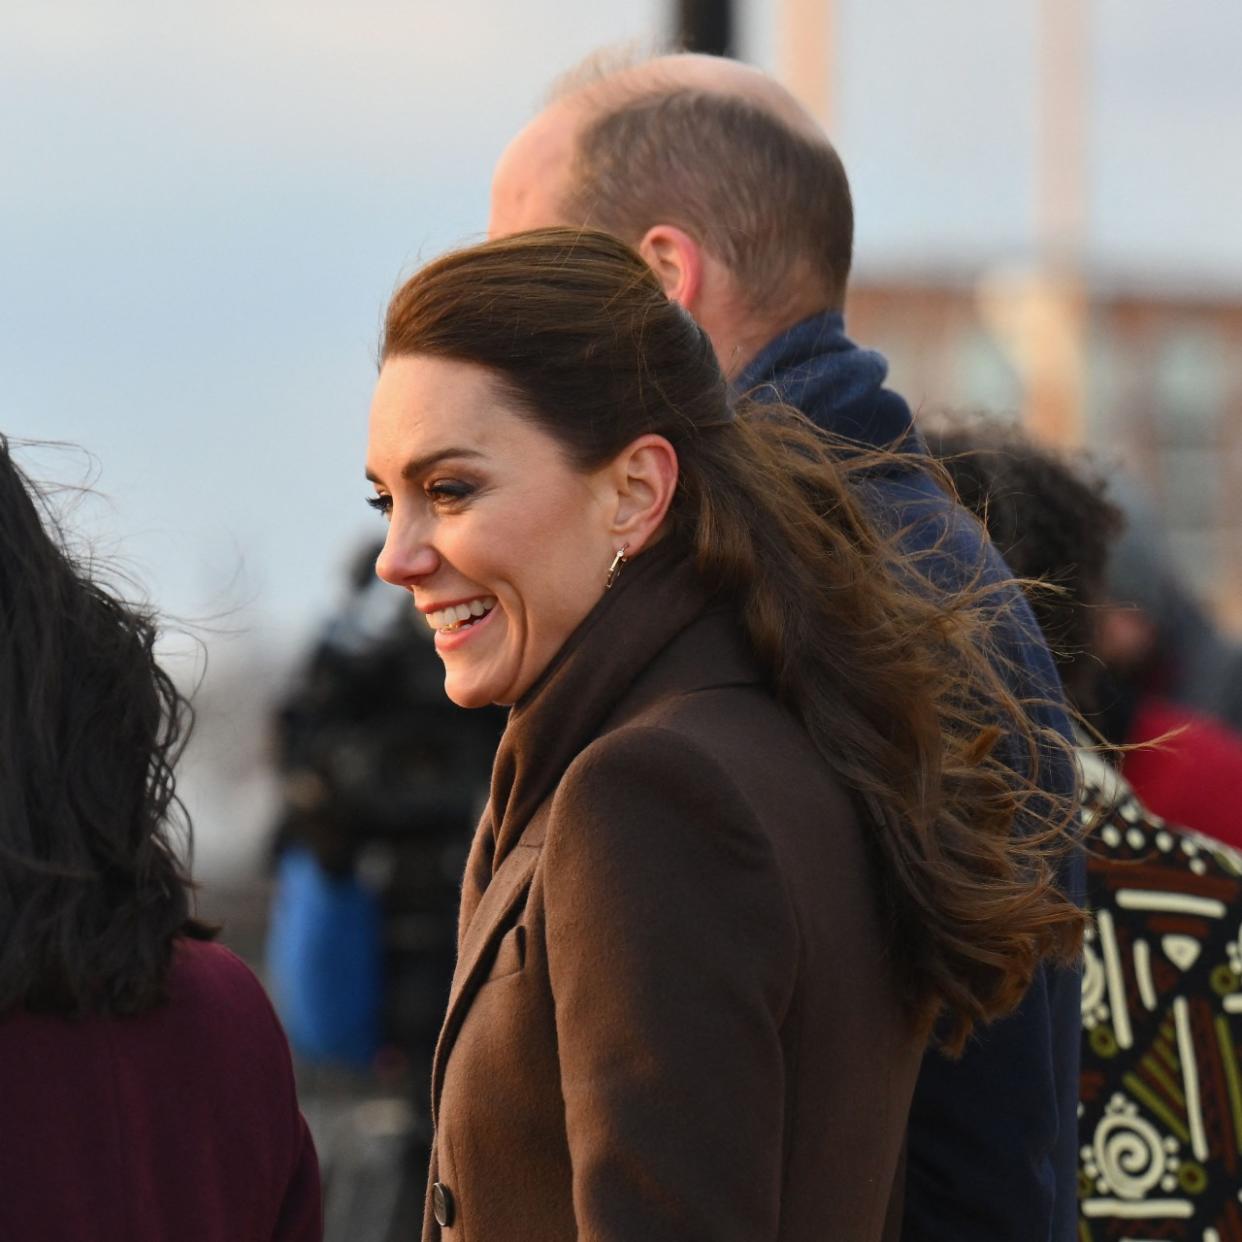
738, 345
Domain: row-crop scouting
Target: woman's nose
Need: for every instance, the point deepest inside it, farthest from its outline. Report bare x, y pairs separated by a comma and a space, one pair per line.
405, 559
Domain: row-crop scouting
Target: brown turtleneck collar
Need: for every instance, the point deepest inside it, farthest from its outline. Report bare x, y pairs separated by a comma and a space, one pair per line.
657, 595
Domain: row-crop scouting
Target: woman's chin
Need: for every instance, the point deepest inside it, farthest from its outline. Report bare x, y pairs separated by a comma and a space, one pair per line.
466, 693
475, 688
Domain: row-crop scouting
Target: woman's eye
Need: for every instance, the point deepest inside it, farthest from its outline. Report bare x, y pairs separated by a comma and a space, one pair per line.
448, 492
381, 504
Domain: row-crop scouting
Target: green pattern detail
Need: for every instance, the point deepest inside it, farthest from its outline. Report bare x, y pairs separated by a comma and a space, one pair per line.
1161, 1075
1193, 1177
1104, 1042
1168, 1056
1138, 1088
1223, 979
1229, 1059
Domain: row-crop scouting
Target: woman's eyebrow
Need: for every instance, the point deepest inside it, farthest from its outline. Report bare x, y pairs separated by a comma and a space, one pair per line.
417, 466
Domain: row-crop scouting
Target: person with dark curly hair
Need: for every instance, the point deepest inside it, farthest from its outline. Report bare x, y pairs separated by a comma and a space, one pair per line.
147, 1087
1054, 522
1049, 521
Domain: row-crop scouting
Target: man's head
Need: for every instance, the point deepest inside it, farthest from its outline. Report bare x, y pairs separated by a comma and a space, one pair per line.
715, 173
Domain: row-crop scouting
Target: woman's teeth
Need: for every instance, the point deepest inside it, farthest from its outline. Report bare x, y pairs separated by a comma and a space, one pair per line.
456, 616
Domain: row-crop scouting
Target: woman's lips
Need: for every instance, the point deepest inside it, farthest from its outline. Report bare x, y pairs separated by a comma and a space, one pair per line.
452, 615
451, 640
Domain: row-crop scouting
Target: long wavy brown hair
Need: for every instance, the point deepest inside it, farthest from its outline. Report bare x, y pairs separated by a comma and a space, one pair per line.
899, 686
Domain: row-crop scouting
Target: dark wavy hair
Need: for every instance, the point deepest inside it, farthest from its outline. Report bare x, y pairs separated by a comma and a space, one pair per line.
92, 893
899, 687
1052, 522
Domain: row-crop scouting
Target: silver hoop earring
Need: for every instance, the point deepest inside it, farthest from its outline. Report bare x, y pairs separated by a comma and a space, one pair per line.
614, 570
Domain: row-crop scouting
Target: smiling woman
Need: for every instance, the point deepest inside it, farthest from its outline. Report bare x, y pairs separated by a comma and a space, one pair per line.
497, 535
749, 833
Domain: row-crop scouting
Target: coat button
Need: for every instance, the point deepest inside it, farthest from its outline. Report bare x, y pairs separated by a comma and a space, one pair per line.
442, 1204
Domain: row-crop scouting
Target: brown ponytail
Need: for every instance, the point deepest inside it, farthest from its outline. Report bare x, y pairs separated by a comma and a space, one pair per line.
899, 687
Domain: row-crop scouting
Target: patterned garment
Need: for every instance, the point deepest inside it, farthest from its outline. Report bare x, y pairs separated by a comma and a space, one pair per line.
1160, 1118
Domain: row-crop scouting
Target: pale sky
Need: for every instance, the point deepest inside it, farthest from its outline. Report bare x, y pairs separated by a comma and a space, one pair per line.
204, 208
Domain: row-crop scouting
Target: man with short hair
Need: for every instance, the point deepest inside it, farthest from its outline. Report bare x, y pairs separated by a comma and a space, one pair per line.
740, 205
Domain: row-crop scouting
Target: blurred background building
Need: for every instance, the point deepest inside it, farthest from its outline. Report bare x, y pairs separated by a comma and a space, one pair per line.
1161, 388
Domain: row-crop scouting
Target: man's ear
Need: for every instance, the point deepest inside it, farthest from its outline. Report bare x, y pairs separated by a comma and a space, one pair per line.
677, 261
644, 475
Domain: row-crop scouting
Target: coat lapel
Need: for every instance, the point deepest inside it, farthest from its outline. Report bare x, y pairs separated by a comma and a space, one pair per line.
506, 891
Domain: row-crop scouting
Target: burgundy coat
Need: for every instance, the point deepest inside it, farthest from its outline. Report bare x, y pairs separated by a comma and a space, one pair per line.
672, 1018
180, 1125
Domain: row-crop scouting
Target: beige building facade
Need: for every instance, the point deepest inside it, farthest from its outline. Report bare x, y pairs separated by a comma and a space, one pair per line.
1149, 382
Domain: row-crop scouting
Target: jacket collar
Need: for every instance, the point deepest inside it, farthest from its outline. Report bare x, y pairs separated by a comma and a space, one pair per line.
817, 369
658, 631
657, 595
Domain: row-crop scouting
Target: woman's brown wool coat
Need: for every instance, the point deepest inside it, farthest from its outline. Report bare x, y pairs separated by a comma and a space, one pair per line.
671, 1019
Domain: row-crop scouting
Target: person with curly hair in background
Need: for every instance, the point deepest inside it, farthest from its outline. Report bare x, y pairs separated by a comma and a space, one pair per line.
147, 1088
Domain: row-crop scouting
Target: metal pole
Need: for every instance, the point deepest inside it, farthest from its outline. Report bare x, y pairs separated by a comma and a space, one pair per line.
705, 26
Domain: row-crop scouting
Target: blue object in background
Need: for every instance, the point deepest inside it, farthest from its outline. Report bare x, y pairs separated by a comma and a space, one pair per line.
324, 960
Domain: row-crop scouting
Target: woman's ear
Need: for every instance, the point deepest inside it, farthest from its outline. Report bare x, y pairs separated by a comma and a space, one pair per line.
644, 475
